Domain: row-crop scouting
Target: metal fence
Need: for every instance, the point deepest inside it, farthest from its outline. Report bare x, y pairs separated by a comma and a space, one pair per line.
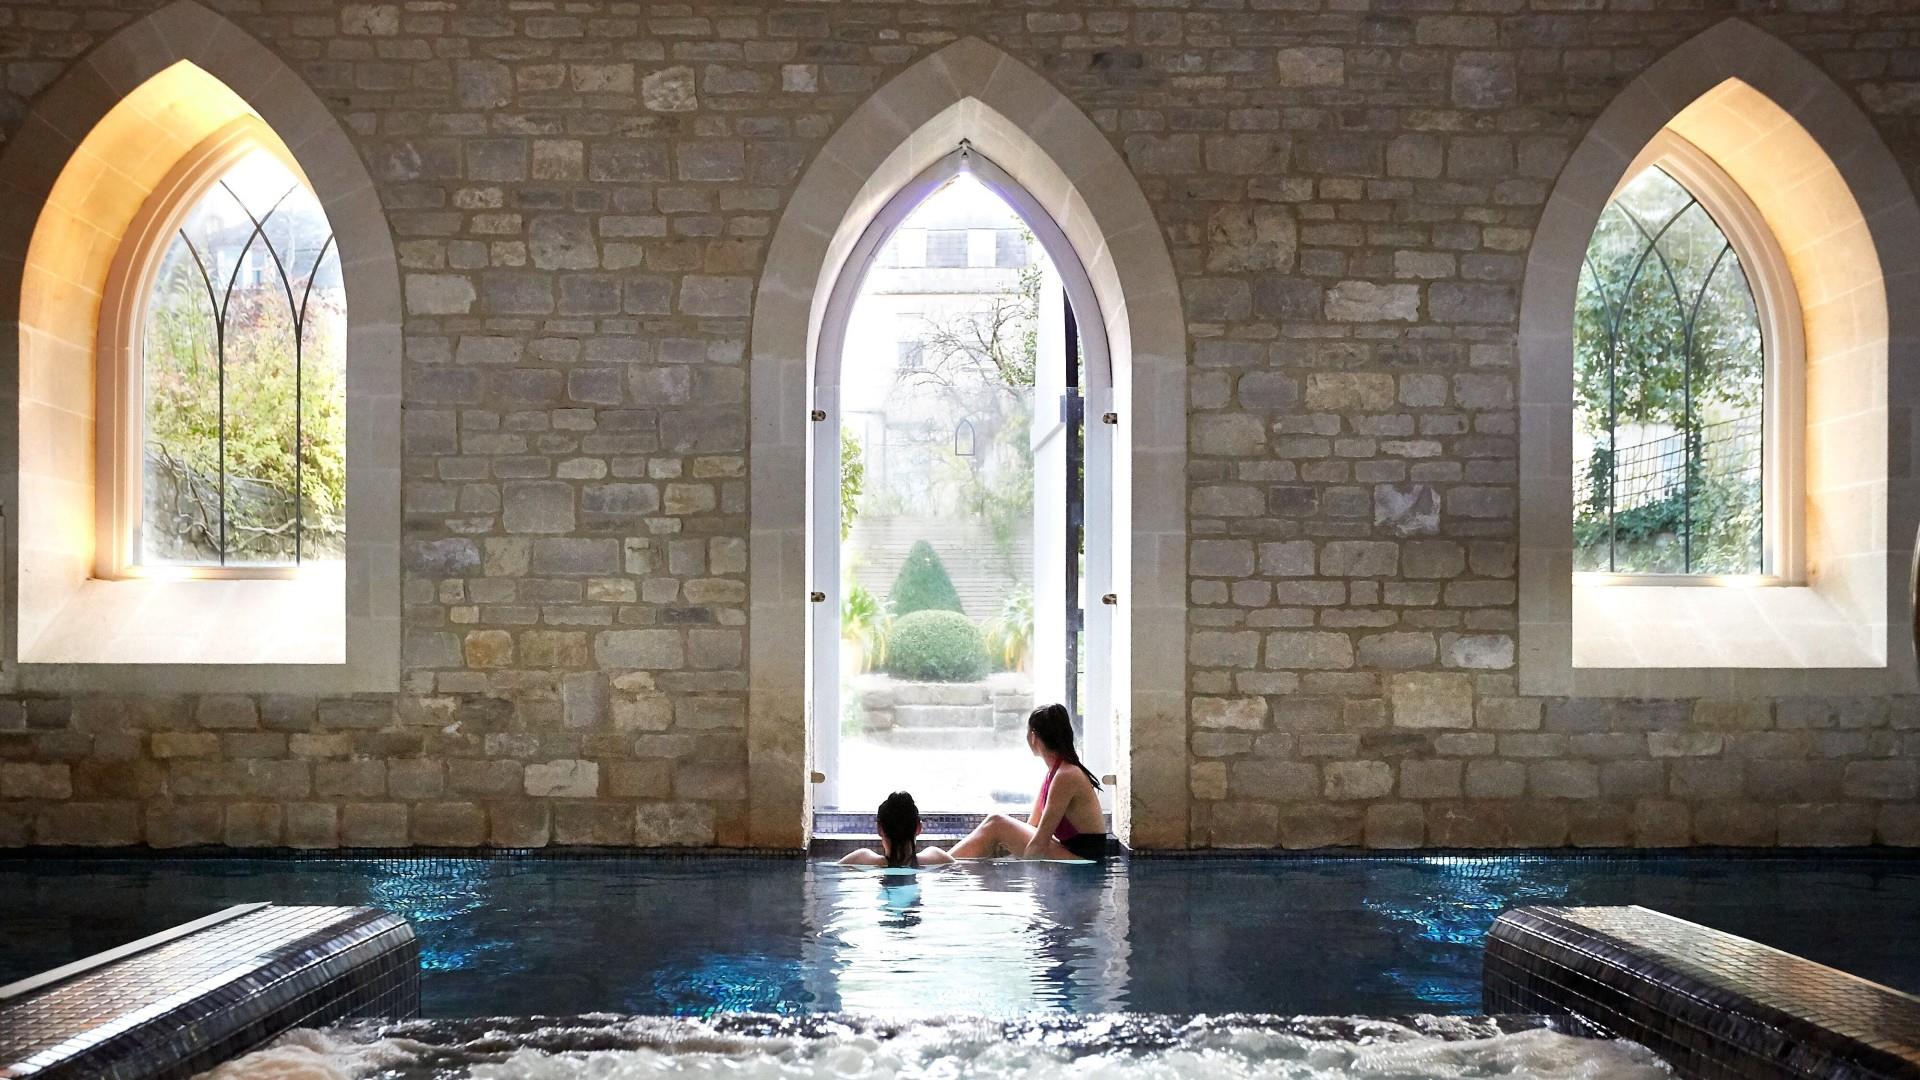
1655, 470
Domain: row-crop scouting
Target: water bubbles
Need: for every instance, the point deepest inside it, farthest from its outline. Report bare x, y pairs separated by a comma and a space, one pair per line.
1112, 1047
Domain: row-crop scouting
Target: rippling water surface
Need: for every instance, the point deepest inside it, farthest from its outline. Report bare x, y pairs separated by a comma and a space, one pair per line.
698, 937
1110, 1048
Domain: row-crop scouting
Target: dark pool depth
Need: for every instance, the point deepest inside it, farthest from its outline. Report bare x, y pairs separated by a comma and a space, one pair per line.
694, 936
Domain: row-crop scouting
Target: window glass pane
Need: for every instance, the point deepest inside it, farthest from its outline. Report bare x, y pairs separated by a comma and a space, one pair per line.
243, 370
938, 503
180, 511
1668, 379
323, 412
947, 247
1011, 247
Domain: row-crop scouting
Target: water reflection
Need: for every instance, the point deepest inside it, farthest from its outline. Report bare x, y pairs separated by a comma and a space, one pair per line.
989, 938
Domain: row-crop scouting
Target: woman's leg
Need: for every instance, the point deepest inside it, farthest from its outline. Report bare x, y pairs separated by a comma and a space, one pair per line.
1001, 831
994, 832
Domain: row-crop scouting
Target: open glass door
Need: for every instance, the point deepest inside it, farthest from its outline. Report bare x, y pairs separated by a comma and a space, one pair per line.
954, 438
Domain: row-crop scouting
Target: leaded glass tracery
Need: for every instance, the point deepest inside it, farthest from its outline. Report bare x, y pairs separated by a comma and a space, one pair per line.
243, 379
1669, 388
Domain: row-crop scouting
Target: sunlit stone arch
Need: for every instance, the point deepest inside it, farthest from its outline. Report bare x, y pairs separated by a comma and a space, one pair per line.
112, 127
973, 91
1842, 212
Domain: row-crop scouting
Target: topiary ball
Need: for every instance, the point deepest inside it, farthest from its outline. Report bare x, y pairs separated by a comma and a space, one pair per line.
936, 646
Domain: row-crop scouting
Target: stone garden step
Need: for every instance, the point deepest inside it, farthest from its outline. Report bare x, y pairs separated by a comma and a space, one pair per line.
944, 716
934, 738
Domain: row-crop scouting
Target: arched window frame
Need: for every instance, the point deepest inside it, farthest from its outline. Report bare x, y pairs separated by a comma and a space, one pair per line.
1783, 400
120, 380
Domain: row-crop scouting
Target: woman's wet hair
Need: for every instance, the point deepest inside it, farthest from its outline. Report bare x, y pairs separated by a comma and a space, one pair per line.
1053, 726
899, 821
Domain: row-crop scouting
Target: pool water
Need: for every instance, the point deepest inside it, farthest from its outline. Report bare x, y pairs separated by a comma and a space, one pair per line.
700, 936
1110, 1048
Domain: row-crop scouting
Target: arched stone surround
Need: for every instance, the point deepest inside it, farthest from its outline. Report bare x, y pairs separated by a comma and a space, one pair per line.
1836, 199
152, 90
974, 91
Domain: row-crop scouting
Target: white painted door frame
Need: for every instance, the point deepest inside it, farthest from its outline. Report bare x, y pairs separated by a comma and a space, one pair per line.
824, 555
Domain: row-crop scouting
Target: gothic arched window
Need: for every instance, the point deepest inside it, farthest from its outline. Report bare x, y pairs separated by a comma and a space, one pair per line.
1676, 452
231, 452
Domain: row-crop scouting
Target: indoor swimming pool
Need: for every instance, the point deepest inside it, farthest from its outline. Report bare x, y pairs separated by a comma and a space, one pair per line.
700, 936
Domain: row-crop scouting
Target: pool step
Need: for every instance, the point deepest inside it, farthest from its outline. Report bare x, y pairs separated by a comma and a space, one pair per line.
860, 823
836, 832
834, 845
177, 1003
831, 846
1712, 1004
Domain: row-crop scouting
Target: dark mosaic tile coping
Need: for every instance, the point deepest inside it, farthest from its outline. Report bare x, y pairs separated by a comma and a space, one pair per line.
1714, 1005
141, 852
183, 1004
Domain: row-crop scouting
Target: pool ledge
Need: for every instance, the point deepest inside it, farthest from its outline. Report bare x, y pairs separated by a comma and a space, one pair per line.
180, 1002
1712, 1004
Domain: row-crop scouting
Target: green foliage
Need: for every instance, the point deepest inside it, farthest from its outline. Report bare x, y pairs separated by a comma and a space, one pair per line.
1666, 338
183, 428
936, 646
923, 583
853, 480
865, 626
1724, 524
1010, 633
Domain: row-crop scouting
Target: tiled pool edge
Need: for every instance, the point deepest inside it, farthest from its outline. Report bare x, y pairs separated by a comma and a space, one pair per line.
1713, 1005
187, 1004
1304, 856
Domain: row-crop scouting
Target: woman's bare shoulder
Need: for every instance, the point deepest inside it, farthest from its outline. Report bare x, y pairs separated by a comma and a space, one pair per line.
862, 857
933, 856
1074, 780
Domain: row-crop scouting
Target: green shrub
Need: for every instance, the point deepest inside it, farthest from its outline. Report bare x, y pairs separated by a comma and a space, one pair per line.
864, 626
923, 584
1010, 633
936, 646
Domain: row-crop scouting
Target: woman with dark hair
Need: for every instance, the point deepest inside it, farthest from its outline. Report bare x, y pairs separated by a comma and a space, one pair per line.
1066, 821
898, 822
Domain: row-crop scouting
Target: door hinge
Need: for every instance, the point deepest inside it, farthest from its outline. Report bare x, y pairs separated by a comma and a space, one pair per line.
817, 597
1110, 599
1110, 418
818, 415
819, 777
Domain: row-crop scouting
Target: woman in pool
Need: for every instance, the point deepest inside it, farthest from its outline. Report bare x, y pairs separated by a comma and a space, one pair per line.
898, 822
1066, 821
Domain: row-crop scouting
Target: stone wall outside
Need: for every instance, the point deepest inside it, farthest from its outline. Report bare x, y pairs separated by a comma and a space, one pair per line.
581, 194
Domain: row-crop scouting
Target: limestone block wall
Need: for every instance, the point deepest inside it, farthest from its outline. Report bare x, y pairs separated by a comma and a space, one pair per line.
581, 196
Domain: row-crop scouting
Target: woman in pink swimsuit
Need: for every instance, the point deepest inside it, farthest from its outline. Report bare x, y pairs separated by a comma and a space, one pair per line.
1066, 822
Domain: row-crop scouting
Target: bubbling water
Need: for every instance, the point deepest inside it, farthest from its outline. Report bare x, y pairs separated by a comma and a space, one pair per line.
1119, 1047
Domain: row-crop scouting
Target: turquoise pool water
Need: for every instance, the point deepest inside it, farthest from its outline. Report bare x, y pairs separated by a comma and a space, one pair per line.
698, 936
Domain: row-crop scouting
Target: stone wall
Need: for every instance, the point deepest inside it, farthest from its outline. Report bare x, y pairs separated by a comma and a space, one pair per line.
581, 195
